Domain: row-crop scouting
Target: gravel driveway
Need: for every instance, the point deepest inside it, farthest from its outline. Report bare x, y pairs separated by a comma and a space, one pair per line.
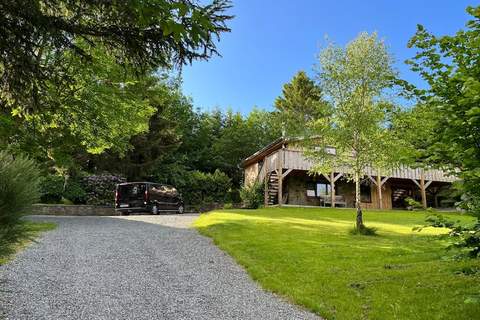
136, 267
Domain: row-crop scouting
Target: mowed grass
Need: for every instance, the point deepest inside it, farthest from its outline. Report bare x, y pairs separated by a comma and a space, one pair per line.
33, 229
309, 257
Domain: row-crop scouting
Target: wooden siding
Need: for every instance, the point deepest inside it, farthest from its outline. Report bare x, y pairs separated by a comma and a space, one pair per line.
294, 159
251, 173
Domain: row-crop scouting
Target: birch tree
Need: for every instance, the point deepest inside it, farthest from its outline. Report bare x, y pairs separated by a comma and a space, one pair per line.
354, 80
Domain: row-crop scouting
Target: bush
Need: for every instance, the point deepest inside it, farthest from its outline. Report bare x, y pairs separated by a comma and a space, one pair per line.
200, 188
252, 196
412, 204
19, 189
51, 189
75, 192
228, 205
100, 189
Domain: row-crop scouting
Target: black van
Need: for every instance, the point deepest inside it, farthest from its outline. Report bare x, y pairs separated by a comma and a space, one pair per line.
147, 197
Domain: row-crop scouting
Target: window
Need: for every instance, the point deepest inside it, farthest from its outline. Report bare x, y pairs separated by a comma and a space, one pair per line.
323, 189
311, 189
317, 189
365, 193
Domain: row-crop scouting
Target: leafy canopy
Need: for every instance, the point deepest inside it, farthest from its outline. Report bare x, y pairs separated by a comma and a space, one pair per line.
451, 67
142, 34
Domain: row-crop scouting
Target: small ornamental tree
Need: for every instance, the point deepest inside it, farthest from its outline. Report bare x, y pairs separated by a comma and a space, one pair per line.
354, 80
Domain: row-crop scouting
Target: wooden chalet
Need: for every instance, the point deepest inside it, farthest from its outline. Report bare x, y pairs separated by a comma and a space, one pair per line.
284, 170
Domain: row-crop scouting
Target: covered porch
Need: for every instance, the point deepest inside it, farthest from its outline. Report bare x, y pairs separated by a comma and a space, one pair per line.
286, 179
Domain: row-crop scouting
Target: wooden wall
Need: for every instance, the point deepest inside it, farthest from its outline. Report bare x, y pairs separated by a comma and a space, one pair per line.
251, 173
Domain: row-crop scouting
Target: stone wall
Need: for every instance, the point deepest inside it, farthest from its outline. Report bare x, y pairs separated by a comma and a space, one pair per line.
73, 210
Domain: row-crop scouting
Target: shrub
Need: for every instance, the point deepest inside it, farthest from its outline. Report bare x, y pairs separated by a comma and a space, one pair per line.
19, 189
100, 189
412, 204
199, 188
75, 192
51, 189
252, 196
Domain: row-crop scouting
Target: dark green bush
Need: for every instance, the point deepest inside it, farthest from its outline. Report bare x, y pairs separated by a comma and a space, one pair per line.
19, 189
75, 192
51, 189
100, 189
198, 188
252, 196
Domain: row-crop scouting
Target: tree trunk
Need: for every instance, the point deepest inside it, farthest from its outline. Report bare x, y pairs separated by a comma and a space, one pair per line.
359, 219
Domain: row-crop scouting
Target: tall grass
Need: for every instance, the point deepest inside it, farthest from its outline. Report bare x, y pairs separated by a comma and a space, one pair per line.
19, 189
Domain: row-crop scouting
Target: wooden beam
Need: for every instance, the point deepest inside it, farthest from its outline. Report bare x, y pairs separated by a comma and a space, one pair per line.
379, 191
265, 185
373, 180
332, 188
422, 190
286, 173
338, 176
326, 177
416, 182
384, 180
427, 184
280, 177
280, 189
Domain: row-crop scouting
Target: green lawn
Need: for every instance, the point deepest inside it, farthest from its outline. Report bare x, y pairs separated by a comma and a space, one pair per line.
33, 229
309, 257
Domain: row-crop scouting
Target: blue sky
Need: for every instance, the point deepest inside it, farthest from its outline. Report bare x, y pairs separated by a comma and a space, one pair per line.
273, 39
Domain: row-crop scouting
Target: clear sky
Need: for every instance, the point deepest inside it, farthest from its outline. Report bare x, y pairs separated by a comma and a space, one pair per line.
273, 39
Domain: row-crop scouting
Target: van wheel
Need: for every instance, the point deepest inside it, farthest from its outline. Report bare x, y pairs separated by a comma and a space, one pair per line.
180, 209
154, 209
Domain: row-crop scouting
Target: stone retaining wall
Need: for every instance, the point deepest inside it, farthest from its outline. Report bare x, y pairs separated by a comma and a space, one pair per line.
89, 210
73, 210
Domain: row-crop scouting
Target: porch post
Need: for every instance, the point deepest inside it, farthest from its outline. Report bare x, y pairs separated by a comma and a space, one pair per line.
280, 177
280, 187
422, 190
265, 183
332, 188
379, 191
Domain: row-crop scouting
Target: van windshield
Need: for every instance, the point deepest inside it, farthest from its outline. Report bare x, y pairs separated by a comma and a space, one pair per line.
131, 191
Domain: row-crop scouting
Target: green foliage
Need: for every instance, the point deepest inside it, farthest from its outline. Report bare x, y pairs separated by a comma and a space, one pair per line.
355, 80
461, 236
450, 66
30, 231
38, 36
19, 189
301, 102
412, 203
199, 188
51, 189
228, 205
75, 192
252, 196
100, 188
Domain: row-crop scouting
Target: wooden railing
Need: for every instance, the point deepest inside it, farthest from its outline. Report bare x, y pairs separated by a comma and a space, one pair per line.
294, 159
